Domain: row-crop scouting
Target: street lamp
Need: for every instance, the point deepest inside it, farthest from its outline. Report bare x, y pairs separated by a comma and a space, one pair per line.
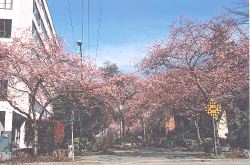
79, 43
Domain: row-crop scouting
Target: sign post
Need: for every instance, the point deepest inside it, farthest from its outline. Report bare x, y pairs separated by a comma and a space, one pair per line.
214, 109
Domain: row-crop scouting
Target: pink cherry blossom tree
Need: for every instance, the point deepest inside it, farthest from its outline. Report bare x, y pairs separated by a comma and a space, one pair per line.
199, 61
39, 74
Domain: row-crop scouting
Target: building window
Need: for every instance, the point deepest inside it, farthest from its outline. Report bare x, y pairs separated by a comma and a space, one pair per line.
3, 89
36, 14
6, 4
5, 28
44, 30
46, 17
36, 34
38, 18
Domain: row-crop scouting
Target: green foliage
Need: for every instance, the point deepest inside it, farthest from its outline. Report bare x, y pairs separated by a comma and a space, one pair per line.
94, 116
29, 133
219, 156
239, 130
167, 143
77, 148
46, 138
185, 139
104, 142
87, 145
208, 142
208, 145
224, 142
50, 133
191, 143
46, 141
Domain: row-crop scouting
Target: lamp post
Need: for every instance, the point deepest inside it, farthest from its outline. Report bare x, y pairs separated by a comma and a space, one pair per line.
79, 43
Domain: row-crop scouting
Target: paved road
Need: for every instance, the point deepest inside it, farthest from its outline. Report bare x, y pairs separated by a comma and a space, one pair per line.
152, 162
150, 156
154, 156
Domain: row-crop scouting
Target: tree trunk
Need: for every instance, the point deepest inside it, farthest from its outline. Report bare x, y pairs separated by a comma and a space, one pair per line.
144, 132
197, 130
121, 131
35, 139
149, 137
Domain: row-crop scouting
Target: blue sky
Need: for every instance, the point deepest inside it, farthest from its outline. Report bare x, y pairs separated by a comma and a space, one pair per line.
128, 27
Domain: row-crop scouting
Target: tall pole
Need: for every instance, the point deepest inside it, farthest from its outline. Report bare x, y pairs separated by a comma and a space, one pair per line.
214, 109
214, 131
72, 136
79, 43
81, 53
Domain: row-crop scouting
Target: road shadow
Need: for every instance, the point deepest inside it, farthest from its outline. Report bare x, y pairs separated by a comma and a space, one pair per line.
174, 153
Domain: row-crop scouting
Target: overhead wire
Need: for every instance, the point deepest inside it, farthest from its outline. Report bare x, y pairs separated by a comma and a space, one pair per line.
88, 25
71, 23
98, 30
82, 22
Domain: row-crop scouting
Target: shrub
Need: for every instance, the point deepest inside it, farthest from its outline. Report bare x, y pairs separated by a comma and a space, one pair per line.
191, 143
86, 145
208, 142
184, 139
25, 156
167, 143
234, 154
105, 142
208, 145
224, 142
50, 134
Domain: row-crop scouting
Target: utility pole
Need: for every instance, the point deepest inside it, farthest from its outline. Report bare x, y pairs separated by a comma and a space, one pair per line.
79, 43
72, 136
214, 109
215, 138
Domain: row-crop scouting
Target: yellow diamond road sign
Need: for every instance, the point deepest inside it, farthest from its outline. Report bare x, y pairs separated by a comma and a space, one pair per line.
214, 109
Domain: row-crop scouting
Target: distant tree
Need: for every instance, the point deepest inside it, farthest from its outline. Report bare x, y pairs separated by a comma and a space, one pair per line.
109, 69
95, 117
241, 12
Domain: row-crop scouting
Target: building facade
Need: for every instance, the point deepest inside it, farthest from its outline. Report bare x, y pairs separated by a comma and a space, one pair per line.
33, 17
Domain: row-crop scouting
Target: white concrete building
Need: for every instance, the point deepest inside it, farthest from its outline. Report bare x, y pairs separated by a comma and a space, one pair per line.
16, 16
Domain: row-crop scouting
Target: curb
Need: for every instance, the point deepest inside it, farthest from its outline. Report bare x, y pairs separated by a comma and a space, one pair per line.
132, 162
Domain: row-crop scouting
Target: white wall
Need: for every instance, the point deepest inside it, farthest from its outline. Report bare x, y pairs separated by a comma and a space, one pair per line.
22, 17
223, 128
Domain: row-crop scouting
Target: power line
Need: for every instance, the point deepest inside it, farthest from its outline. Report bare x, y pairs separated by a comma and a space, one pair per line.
99, 26
82, 20
71, 23
88, 25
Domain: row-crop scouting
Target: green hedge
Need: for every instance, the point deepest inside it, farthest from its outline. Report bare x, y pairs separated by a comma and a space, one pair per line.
50, 134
